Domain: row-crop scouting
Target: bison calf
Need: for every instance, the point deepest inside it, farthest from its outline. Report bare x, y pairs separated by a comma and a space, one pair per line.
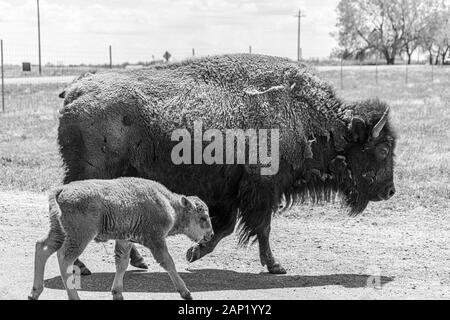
126, 210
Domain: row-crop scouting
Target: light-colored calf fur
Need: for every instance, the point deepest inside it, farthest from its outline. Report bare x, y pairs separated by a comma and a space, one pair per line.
126, 210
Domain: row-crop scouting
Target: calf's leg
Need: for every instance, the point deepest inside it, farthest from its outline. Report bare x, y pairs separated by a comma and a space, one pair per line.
67, 254
158, 247
121, 256
136, 260
44, 249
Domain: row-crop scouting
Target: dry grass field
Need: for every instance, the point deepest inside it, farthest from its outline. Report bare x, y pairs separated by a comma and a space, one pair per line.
327, 254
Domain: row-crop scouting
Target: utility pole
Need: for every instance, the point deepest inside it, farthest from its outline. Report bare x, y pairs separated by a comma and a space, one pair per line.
250, 49
376, 70
299, 49
110, 57
193, 52
39, 37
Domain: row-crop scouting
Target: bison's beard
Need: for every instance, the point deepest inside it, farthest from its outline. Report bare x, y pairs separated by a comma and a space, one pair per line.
356, 202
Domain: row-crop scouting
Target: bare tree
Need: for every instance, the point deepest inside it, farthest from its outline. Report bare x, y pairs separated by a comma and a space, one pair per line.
390, 26
416, 16
435, 38
371, 24
442, 37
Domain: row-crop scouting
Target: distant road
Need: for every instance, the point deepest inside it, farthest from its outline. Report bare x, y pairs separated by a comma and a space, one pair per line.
67, 79
37, 80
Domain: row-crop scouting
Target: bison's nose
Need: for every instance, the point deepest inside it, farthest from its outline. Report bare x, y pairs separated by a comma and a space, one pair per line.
209, 236
389, 193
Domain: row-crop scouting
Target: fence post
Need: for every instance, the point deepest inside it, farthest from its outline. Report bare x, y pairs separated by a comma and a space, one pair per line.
250, 49
193, 52
432, 72
342, 76
110, 57
376, 71
406, 72
3, 76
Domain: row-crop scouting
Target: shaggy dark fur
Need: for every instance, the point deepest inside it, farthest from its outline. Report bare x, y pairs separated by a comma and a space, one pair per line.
119, 124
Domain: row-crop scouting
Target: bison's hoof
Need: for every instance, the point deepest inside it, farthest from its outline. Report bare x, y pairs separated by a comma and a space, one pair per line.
186, 295
193, 253
139, 264
276, 268
31, 298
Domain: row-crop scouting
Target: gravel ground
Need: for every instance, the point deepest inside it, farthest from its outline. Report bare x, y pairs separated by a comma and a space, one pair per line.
381, 255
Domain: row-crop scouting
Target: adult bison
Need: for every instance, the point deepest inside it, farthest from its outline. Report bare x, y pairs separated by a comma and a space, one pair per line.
120, 123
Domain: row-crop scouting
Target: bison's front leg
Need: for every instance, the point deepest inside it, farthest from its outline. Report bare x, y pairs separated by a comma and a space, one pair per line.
84, 271
203, 248
136, 260
265, 253
223, 226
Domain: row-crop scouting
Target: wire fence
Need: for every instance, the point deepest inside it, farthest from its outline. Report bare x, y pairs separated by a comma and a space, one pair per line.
24, 87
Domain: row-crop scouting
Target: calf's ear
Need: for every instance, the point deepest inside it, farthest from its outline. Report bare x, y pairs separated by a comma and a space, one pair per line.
358, 130
186, 203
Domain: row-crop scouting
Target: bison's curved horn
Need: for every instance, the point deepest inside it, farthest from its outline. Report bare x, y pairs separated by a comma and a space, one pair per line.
379, 126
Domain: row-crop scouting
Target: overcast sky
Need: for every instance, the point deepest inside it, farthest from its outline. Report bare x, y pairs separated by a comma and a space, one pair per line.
81, 30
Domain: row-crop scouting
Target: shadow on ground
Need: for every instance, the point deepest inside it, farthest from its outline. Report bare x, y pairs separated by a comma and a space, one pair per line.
216, 280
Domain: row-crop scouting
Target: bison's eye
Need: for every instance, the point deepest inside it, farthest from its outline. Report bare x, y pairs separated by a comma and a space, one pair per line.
382, 151
203, 219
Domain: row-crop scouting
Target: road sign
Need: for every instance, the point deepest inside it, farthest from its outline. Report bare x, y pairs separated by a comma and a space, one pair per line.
167, 56
26, 66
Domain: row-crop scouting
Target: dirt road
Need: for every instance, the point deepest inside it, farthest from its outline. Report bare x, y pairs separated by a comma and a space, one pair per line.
381, 255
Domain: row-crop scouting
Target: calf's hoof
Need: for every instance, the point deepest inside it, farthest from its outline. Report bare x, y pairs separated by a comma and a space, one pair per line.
35, 293
194, 253
186, 295
117, 295
140, 263
276, 268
